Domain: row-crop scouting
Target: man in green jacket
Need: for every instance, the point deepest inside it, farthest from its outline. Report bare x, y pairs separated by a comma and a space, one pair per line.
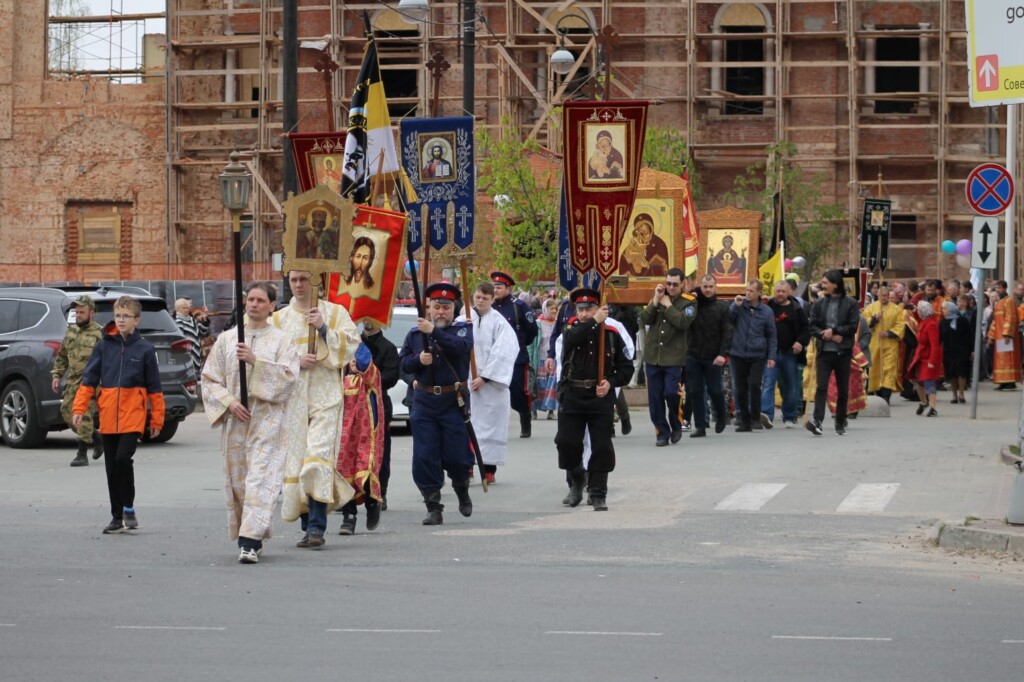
669, 314
74, 353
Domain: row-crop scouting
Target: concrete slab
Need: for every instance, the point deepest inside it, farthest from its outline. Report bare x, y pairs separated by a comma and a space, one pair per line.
986, 534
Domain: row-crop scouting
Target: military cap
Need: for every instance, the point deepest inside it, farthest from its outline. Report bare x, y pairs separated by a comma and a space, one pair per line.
585, 297
502, 278
86, 301
443, 292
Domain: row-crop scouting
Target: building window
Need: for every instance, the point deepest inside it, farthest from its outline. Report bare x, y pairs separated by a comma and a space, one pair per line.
744, 80
897, 78
400, 55
756, 80
904, 250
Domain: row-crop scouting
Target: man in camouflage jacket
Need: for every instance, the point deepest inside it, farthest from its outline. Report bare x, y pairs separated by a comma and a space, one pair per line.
74, 353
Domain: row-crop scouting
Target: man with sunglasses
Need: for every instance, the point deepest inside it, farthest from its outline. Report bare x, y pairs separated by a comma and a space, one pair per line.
668, 317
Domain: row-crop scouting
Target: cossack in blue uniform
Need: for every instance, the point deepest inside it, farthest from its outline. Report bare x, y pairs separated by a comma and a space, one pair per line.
440, 438
520, 316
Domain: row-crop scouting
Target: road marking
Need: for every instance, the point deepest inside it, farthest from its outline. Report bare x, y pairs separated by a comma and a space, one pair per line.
163, 627
616, 634
750, 497
377, 631
1012, 641
834, 639
868, 497
8, 625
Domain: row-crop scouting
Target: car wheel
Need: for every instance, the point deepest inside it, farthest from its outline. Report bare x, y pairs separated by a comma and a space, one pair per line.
19, 416
166, 433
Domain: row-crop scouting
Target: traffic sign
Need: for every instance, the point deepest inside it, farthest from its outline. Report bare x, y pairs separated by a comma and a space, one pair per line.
995, 52
989, 189
984, 238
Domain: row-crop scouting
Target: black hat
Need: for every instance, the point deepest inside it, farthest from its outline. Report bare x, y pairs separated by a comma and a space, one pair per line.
442, 292
585, 297
502, 278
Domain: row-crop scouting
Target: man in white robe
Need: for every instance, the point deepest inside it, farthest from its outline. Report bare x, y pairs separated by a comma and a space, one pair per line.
312, 484
253, 439
495, 349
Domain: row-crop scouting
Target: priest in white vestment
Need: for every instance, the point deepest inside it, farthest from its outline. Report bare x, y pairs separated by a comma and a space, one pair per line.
312, 484
252, 438
495, 349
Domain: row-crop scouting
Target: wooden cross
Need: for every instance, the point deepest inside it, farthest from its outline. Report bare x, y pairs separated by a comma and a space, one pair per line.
327, 66
608, 39
437, 66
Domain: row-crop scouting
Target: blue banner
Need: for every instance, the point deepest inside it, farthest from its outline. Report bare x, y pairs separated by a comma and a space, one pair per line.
437, 154
568, 276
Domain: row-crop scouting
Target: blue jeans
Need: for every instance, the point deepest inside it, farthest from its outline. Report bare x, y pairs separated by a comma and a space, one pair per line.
662, 392
316, 518
702, 373
787, 373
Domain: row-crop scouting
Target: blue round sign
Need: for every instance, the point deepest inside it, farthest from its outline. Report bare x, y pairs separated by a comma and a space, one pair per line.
989, 189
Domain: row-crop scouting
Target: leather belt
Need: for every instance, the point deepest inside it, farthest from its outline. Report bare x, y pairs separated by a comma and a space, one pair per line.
583, 383
438, 390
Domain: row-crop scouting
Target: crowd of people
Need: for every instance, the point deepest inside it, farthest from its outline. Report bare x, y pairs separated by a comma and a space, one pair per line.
311, 425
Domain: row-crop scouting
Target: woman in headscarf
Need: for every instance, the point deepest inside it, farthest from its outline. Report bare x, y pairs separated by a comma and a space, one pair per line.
957, 337
926, 368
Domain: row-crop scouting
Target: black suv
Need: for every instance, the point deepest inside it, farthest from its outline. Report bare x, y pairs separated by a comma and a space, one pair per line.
32, 325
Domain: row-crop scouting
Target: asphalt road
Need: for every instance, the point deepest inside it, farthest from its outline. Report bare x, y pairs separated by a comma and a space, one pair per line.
766, 556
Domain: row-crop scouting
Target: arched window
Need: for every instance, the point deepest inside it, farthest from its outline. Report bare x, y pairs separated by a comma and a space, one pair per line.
736, 79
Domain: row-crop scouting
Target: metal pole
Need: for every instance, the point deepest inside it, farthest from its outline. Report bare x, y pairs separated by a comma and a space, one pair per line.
1009, 252
236, 243
979, 311
468, 56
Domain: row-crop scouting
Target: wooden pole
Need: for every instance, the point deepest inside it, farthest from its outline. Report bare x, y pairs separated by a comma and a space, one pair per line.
315, 290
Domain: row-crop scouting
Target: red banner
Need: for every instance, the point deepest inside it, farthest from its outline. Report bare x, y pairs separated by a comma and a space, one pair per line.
603, 143
690, 230
376, 260
319, 158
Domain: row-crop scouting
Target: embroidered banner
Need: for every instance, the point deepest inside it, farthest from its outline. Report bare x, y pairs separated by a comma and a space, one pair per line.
375, 262
603, 143
319, 158
568, 276
437, 155
690, 230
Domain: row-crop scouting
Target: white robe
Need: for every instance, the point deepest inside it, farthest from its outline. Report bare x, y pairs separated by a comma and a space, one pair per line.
495, 348
254, 451
629, 350
314, 412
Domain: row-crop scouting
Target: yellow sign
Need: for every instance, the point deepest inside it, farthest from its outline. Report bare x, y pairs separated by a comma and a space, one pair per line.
995, 52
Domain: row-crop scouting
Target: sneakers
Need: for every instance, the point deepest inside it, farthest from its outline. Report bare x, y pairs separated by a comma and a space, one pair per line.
131, 521
348, 525
687, 426
115, 527
813, 426
932, 413
788, 424
313, 539
920, 409
765, 421
248, 556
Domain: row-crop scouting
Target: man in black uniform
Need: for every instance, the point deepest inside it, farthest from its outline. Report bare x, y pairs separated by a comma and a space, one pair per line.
587, 401
437, 354
521, 318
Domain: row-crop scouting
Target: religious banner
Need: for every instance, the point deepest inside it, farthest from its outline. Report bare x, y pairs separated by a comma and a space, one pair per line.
437, 156
603, 143
317, 231
318, 158
690, 229
874, 234
568, 276
373, 265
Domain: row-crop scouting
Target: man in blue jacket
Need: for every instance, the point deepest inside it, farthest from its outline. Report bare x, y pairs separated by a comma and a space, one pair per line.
753, 348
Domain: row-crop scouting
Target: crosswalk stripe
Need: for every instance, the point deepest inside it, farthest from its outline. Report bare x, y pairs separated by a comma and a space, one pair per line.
868, 497
750, 497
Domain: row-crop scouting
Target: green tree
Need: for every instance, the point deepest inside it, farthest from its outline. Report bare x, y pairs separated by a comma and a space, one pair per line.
814, 229
527, 234
665, 150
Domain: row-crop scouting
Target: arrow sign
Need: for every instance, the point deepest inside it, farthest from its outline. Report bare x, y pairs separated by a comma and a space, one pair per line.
987, 73
984, 242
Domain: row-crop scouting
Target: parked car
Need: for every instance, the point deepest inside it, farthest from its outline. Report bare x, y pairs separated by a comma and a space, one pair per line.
32, 325
402, 320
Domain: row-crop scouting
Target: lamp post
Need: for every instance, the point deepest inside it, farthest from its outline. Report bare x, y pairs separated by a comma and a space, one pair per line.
562, 60
235, 185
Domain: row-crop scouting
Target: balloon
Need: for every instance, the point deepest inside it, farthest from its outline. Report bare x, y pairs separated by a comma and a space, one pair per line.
793, 277
788, 263
963, 247
409, 265
799, 262
963, 259
948, 247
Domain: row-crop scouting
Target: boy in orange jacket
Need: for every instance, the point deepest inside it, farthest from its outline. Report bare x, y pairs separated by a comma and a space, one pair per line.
124, 365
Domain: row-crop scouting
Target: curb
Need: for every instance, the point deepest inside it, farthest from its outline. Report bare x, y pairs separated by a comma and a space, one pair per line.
990, 536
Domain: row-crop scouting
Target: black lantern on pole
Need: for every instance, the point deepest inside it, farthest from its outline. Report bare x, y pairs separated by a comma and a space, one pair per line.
562, 60
235, 186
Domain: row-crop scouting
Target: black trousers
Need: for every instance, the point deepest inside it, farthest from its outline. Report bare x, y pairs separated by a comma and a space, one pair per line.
569, 440
825, 364
747, 375
118, 451
519, 389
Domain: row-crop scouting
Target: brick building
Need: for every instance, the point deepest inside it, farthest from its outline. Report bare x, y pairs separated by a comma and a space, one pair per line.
122, 176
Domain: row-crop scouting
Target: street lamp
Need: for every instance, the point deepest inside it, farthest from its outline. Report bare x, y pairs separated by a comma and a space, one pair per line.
416, 10
562, 60
235, 186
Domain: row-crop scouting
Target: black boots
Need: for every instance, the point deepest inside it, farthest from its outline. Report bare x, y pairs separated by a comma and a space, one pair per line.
525, 427
598, 490
462, 492
80, 459
97, 445
432, 498
579, 480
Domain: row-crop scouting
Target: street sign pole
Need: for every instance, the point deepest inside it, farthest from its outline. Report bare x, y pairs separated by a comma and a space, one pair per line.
1009, 252
979, 309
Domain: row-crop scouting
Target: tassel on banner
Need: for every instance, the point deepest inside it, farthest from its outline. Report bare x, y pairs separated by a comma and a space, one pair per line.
410, 192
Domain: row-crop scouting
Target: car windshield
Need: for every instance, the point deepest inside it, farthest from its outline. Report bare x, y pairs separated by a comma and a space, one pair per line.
399, 329
155, 318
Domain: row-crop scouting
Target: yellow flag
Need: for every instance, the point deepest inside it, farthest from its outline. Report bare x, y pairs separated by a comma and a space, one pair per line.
772, 270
